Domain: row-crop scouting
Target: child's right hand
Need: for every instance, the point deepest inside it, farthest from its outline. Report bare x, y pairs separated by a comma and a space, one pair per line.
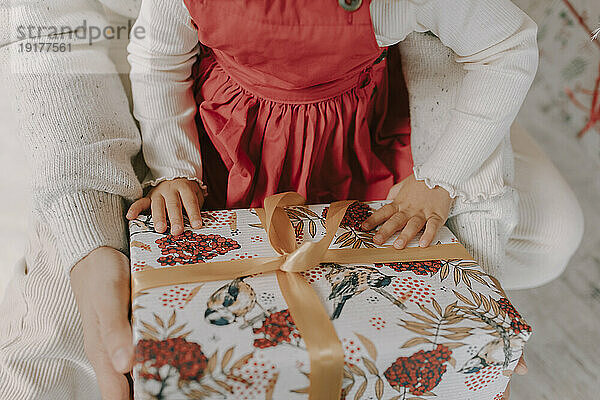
171, 195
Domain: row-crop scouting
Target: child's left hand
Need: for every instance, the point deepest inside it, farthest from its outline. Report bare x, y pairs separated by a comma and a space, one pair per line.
414, 206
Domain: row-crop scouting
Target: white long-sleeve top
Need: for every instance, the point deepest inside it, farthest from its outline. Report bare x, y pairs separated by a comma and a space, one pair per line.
75, 124
493, 39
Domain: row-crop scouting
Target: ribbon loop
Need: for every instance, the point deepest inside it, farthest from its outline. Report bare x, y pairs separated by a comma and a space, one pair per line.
324, 347
280, 231
311, 254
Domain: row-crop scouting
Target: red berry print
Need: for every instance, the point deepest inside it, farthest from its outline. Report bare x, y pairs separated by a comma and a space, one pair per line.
258, 376
416, 267
245, 255
377, 322
419, 373
315, 274
175, 297
352, 351
355, 215
256, 239
217, 219
517, 322
277, 328
483, 377
143, 246
190, 248
415, 290
185, 357
499, 396
140, 266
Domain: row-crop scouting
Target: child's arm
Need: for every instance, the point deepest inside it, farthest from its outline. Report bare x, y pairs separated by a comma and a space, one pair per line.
161, 77
496, 44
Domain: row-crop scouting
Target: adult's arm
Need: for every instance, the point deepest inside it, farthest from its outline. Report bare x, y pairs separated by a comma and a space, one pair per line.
75, 124
496, 45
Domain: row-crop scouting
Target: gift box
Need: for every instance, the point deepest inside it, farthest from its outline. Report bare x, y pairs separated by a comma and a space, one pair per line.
297, 302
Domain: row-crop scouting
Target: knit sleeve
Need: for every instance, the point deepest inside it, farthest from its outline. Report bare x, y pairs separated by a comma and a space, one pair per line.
495, 42
161, 78
74, 122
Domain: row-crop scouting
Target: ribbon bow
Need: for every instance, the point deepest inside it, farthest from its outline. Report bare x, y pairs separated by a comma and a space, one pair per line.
312, 320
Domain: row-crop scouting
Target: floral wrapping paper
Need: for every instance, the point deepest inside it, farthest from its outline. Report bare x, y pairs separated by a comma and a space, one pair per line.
410, 330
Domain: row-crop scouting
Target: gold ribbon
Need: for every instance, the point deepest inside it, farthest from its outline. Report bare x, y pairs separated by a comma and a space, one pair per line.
322, 343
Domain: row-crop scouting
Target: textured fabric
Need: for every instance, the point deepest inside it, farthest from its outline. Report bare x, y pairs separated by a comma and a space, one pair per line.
499, 63
279, 115
39, 312
549, 228
74, 121
549, 223
433, 87
41, 347
41, 342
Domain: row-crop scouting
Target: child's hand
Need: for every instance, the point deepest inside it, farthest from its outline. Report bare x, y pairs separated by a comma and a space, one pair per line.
415, 206
171, 194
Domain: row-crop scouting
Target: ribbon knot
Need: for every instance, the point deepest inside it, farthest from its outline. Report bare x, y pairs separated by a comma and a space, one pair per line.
322, 343
282, 237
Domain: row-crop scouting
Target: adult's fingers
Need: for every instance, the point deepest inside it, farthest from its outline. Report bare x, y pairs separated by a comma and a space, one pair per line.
391, 226
379, 216
158, 213
137, 207
412, 227
113, 321
175, 212
432, 227
192, 206
113, 385
521, 368
506, 394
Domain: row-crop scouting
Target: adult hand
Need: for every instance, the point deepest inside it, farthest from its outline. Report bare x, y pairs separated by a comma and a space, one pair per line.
414, 206
100, 283
520, 369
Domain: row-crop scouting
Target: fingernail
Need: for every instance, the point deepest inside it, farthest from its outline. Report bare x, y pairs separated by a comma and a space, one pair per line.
364, 225
196, 224
120, 360
377, 239
128, 215
507, 372
160, 226
399, 244
422, 243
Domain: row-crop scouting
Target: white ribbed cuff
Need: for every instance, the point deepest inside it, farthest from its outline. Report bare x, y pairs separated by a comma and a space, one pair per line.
84, 221
151, 182
486, 187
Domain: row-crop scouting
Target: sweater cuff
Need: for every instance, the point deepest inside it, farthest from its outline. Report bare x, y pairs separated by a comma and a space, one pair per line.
85, 221
485, 186
468, 160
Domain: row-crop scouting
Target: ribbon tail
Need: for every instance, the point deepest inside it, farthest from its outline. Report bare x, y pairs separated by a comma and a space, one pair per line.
324, 347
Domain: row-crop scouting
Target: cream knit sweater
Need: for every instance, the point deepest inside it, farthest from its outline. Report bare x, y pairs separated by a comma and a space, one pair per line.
81, 138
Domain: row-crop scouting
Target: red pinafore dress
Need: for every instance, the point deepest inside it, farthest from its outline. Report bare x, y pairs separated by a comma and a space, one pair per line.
297, 96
